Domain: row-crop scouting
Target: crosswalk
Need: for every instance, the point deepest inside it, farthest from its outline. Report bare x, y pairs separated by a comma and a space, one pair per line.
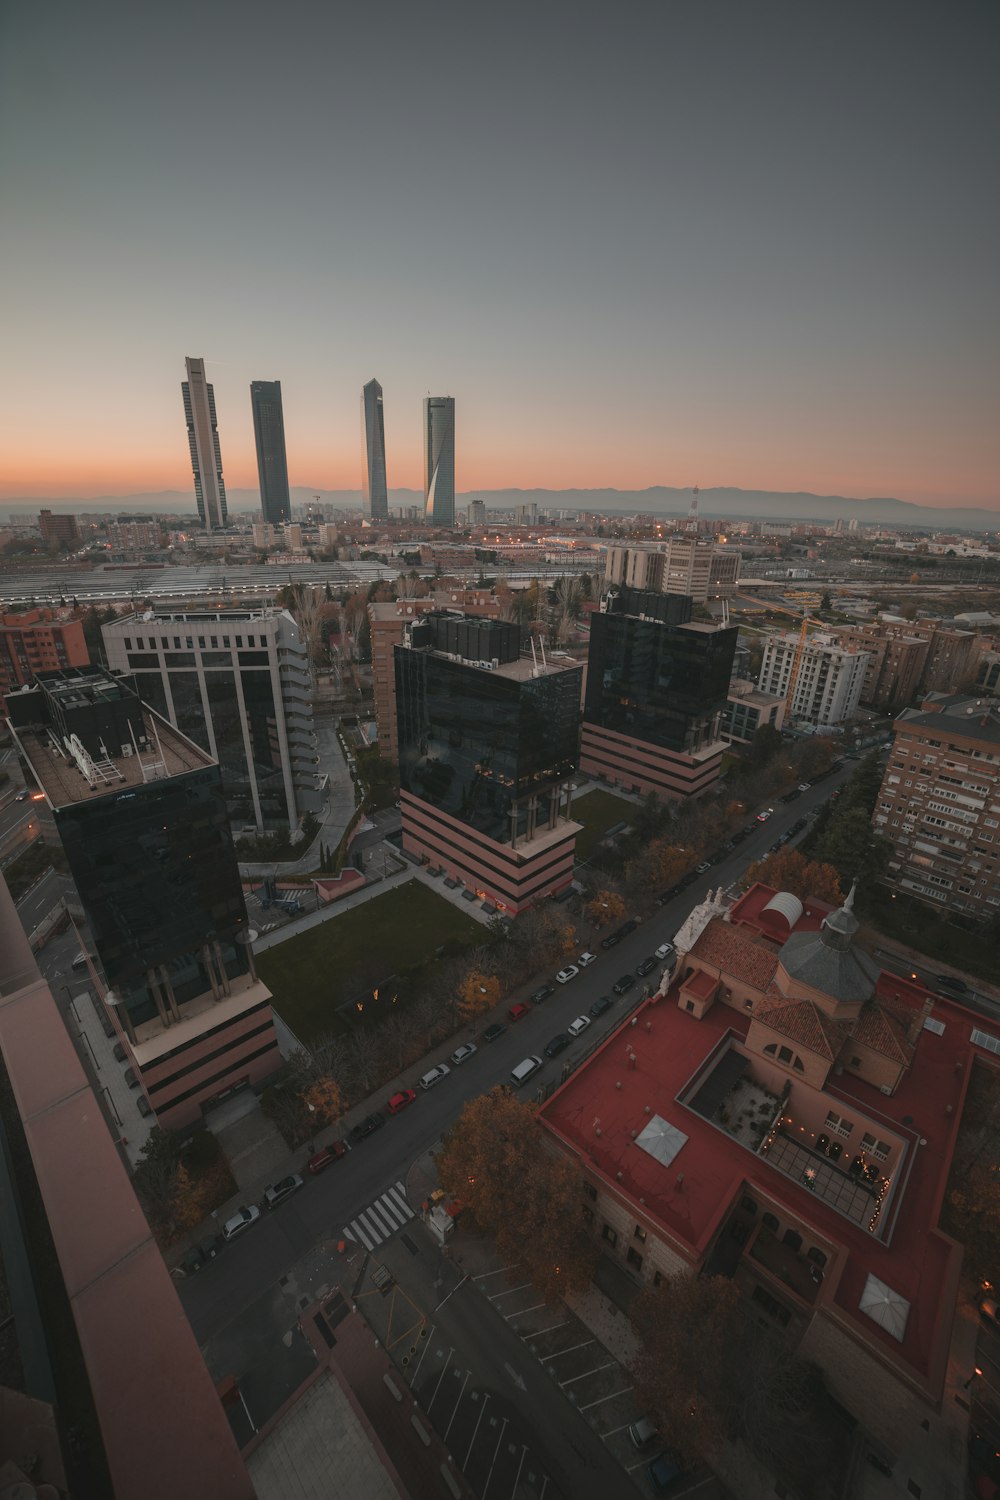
380, 1219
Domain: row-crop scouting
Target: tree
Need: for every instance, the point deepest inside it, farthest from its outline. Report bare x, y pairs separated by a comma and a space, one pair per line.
851, 844
825, 603
478, 993
605, 907
788, 870
764, 746
324, 1100
155, 1175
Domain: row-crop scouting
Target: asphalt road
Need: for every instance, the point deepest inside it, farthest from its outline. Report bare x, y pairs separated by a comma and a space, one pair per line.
42, 898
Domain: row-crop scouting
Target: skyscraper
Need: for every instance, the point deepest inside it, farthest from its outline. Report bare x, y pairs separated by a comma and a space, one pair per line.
272, 465
439, 460
373, 480
203, 440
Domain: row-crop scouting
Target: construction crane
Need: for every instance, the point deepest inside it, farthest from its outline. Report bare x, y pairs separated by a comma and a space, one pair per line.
800, 647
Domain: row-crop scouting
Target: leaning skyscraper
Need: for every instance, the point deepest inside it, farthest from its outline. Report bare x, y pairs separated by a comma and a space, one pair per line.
203, 440
373, 480
439, 460
272, 463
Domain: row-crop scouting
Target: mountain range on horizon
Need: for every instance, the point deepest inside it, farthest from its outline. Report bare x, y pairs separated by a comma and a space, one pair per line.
720, 503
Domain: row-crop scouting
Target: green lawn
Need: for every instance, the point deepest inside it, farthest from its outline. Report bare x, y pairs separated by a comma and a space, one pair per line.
598, 811
347, 957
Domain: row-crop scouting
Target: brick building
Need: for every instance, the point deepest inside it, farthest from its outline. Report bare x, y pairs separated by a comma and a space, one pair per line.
908, 658
55, 528
940, 803
35, 641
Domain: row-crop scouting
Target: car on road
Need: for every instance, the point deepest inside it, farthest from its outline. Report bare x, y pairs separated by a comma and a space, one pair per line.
804, 786
645, 966
628, 927
519, 1011
367, 1126
612, 940
666, 950
326, 1157
663, 1473
738, 836
577, 1027
400, 1101
565, 975
626, 982
586, 959
240, 1222
282, 1190
525, 1070
542, 993
434, 1076
762, 817
21, 797
557, 1044
704, 867
600, 1005
494, 1032
462, 1054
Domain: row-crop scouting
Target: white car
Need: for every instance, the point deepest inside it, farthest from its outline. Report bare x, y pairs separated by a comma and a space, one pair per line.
804, 786
282, 1190
575, 1028
435, 1076
565, 975
665, 950
585, 959
239, 1222
462, 1054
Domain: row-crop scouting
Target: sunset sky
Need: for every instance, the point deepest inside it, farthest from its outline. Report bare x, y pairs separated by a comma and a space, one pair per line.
678, 242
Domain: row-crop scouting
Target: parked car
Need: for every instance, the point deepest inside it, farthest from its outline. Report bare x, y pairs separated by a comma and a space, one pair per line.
628, 926
492, 1033
645, 966
525, 1070
240, 1222
612, 940
738, 836
626, 982
762, 817
663, 1472
668, 895
462, 1054
326, 1157
282, 1189
519, 1011
435, 1075
586, 959
704, 867
367, 1126
642, 1432
557, 1044
400, 1101
666, 950
804, 786
577, 1027
542, 993
600, 1005
565, 975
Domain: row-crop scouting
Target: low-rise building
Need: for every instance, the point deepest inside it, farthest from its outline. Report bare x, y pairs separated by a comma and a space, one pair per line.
747, 709
34, 641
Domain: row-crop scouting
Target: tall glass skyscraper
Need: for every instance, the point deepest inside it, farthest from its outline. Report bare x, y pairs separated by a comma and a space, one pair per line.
373, 480
272, 464
203, 441
439, 460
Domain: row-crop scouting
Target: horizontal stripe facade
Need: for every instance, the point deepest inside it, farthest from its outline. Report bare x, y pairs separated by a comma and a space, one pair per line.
635, 763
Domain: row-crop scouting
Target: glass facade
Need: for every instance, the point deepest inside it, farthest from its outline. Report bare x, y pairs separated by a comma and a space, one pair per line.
157, 875
373, 476
439, 460
665, 684
477, 743
272, 463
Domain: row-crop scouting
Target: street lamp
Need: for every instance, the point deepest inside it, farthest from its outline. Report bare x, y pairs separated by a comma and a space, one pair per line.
976, 1371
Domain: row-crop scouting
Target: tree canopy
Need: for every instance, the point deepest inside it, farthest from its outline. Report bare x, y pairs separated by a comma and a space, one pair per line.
788, 870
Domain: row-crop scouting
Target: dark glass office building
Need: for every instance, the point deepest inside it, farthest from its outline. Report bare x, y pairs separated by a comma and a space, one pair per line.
373, 476
439, 460
487, 744
656, 688
272, 463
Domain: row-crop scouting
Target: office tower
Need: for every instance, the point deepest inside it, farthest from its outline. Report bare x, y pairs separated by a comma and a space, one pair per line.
35, 641
236, 681
269, 435
487, 745
657, 683
828, 680
203, 441
139, 812
59, 529
940, 803
908, 658
373, 478
439, 460
687, 565
477, 513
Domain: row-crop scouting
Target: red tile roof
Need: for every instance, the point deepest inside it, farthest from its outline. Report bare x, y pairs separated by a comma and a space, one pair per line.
737, 952
802, 1022
883, 1029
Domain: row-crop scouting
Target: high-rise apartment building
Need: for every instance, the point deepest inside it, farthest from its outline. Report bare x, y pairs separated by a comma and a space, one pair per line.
272, 462
236, 682
487, 746
477, 513
439, 460
59, 529
688, 565
35, 641
940, 803
373, 473
203, 442
910, 658
134, 536
139, 812
656, 687
828, 682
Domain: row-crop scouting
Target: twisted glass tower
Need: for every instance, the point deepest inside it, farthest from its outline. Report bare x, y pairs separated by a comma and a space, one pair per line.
439, 460
373, 480
272, 463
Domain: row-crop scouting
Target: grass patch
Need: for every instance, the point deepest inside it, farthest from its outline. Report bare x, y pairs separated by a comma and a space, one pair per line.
598, 811
349, 956
926, 931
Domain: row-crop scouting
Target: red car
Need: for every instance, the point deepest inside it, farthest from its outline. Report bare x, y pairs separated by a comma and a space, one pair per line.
518, 1012
399, 1101
322, 1159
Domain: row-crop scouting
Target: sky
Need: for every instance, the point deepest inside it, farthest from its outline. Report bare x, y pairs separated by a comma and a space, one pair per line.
682, 242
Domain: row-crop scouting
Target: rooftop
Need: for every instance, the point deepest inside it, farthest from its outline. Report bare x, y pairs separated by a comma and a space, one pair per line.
63, 781
955, 713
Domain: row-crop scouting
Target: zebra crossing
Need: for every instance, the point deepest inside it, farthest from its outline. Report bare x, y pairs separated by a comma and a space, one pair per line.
380, 1219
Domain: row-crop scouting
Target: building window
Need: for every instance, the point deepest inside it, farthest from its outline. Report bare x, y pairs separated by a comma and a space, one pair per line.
607, 1233
689, 1005
634, 1258
770, 1222
639, 1233
657, 1277
816, 1256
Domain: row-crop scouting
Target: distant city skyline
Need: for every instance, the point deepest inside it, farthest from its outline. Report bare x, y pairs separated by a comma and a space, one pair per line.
731, 245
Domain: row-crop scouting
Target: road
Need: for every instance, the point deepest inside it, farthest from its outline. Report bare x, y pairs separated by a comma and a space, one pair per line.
42, 897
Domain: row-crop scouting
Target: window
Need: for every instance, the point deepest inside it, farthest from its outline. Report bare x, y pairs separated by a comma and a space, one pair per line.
816, 1256
785, 1054
748, 1206
770, 1222
607, 1233
634, 1258
792, 1239
639, 1233
689, 1005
